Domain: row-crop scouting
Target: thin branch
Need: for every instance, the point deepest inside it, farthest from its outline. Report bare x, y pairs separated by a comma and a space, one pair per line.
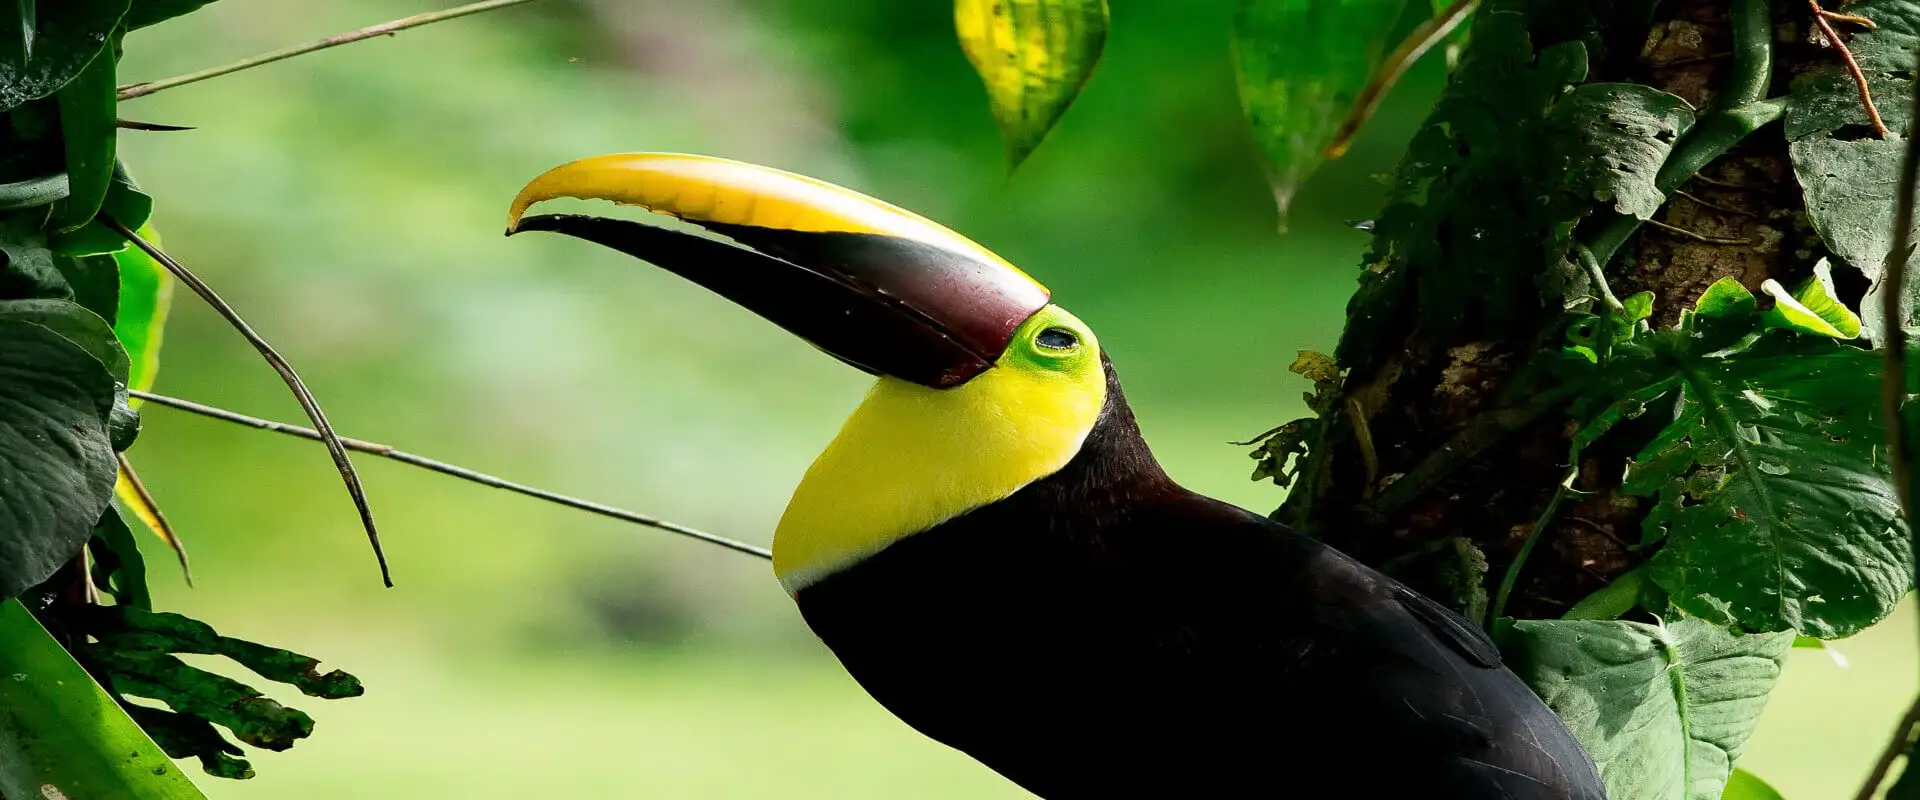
385, 451
300, 392
1899, 743
1540, 525
133, 90
150, 512
1698, 237
1423, 38
1820, 16
1705, 203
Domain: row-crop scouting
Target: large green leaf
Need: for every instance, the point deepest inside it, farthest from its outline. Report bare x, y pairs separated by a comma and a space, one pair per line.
150, 12
1612, 139
62, 736
146, 293
1847, 174
47, 42
58, 473
89, 130
1745, 785
1663, 709
125, 203
1034, 56
1300, 65
1776, 509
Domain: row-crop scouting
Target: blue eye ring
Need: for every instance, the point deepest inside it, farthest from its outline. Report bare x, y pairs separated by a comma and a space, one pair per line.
1059, 339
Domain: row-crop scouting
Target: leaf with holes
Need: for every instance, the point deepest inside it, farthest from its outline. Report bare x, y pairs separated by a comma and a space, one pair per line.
1845, 171
46, 43
1776, 509
1612, 139
1300, 64
1034, 56
1663, 709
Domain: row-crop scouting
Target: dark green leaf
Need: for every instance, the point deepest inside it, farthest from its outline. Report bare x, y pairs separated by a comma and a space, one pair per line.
1663, 709
58, 728
149, 12
88, 130
1613, 138
1300, 65
125, 203
33, 192
126, 577
1745, 785
1034, 56
1777, 510
39, 53
27, 268
57, 478
1846, 172
1612, 600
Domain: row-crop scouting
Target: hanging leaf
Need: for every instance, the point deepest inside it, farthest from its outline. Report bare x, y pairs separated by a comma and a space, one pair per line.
146, 294
1745, 785
1300, 65
88, 129
1846, 173
1034, 56
1663, 709
60, 731
47, 42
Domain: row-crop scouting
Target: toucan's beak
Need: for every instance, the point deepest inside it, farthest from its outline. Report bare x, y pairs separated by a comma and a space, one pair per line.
874, 285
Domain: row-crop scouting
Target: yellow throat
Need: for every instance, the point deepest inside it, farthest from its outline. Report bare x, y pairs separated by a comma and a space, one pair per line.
911, 457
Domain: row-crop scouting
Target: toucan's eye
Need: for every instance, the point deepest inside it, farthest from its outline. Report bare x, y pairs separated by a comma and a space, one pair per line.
1057, 339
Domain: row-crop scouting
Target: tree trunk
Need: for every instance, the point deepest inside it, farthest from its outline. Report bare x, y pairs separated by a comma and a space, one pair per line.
1449, 435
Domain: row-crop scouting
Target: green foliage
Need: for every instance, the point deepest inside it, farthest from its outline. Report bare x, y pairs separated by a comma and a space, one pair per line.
59, 729
1611, 139
142, 308
89, 133
1034, 56
1846, 172
1745, 785
44, 44
1811, 308
1664, 709
1301, 64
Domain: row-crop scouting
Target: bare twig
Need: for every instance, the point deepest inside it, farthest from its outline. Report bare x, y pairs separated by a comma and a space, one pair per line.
384, 451
1701, 201
300, 392
1423, 38
150, 512
1899, 743
133, 90
1698, 237
1820, 17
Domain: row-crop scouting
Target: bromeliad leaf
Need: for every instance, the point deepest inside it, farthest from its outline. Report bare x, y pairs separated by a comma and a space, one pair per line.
41, 51
1300, 64
1034, 55
1776, 511
1846, 172
55, 402
1663, 709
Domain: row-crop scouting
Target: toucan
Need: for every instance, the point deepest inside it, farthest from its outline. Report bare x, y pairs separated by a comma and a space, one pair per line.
993, 553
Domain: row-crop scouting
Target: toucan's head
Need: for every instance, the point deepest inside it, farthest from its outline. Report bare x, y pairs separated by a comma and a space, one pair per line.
984, 385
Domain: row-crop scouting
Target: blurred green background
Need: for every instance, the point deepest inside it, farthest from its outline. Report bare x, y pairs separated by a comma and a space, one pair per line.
351, 203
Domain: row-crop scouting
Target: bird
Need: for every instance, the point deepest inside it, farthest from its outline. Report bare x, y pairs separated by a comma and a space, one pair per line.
991, 550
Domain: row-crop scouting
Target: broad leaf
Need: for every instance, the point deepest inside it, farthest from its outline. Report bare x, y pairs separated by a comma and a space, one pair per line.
1846, 172
1776, 508
89, 131
43, 50
1300, 64
120, 570
1813, 307
1745, 785
57, 477
146, 293
125, 203
61, 735
1663, 709
1613, 139
1034, 56
150, 12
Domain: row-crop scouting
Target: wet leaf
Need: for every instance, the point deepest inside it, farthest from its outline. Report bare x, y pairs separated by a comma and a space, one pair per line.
1034, 56
1300, 65
1663, 709
42, 51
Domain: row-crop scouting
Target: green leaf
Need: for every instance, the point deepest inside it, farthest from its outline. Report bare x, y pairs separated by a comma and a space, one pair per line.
89, 131
1612, 600
1300, 64
125, 203
27, 267
1777, 510
151, 12
146, 294
1846, 173
1663, 709
1745, 785
1811, 308
1034, 56
1638, 306
59, 730
1614, 137
1726, 298
126, 577
58, 474
41, 51
33, 192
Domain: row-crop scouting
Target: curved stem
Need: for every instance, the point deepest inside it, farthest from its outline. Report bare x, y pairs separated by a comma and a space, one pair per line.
1512, 576
1423, 38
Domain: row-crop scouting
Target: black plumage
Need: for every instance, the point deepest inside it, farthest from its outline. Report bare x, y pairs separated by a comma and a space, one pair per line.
1105, 633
